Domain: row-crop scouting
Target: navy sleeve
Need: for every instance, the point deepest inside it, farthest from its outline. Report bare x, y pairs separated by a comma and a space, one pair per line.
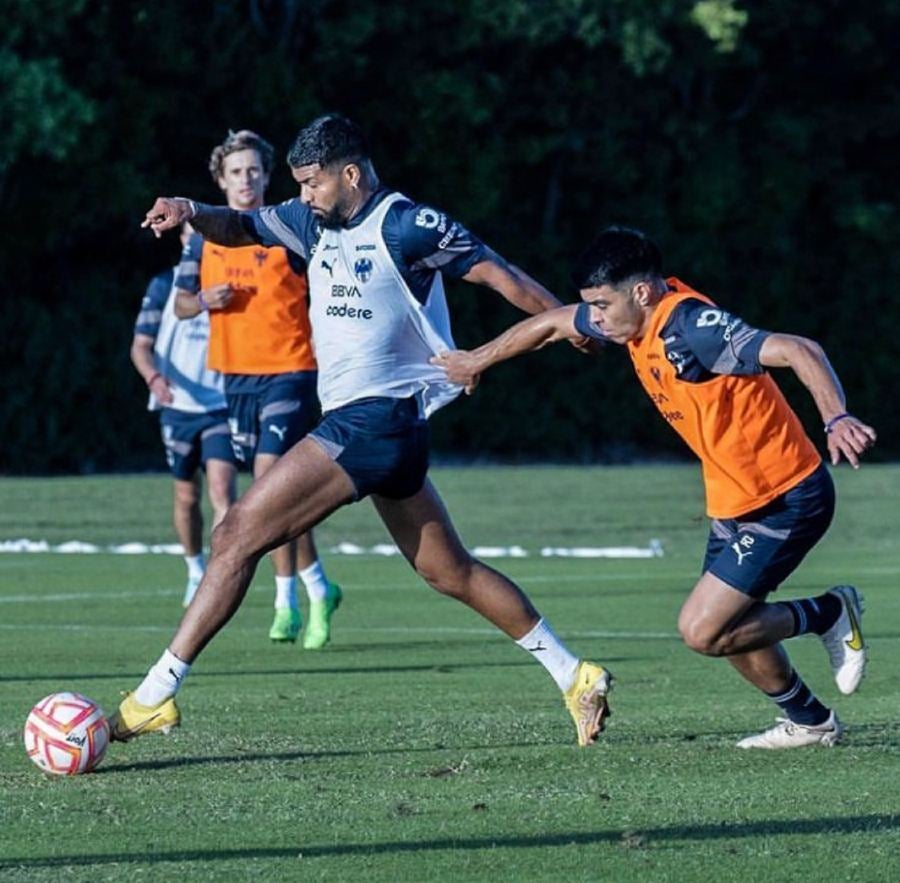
720, 342
428, 240
187, 274
584, 325
290, 224
152, 305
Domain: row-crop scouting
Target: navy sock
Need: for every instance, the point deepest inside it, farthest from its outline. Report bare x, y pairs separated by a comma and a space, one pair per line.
798, 703
815, 615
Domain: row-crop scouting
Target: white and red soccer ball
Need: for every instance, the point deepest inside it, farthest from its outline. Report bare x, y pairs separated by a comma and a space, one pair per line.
66, 734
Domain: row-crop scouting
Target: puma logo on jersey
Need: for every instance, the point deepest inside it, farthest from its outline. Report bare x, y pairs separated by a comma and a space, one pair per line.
278, 430
329, 267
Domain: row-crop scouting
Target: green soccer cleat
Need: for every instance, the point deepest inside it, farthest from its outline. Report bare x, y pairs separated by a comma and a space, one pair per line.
586, 701
193, 584
318, 629
133, 719
285, 626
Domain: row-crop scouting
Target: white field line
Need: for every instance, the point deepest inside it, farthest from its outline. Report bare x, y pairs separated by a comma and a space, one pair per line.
653, 549
384, 630
387, 630
59, 597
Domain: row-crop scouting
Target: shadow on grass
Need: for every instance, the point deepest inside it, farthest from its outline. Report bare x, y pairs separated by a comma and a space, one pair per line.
437, 668
216, 760
875, 823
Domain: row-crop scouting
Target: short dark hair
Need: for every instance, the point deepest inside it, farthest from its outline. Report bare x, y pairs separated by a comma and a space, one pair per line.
237, 141
328, 140
616, 255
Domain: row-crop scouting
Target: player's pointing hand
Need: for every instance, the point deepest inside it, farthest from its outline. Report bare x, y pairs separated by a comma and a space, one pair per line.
168, 213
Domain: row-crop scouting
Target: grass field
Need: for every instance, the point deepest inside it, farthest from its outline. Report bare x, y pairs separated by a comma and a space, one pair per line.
420, 745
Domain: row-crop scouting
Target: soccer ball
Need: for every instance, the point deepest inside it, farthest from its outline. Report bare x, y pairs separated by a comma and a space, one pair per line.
66, 734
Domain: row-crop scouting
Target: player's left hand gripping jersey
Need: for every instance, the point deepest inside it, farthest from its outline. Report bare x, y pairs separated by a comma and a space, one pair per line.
377, 301
700, 366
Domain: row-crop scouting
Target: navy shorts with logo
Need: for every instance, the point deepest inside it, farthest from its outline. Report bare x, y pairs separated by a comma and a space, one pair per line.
756, 552
270, 413
192, 439
381, 443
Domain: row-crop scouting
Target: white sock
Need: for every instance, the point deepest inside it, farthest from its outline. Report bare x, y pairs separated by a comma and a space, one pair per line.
286, 592
315, 581
162, 681
196, 566
543, 645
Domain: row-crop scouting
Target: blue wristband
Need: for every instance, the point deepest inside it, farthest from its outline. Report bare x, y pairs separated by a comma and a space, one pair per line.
833, 422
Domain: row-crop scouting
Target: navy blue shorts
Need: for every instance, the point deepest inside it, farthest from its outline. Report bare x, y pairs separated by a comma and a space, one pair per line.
756, 552
269, 413
192, 439
382, 444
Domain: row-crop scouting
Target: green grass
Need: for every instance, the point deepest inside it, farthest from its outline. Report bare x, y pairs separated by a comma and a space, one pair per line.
423, 746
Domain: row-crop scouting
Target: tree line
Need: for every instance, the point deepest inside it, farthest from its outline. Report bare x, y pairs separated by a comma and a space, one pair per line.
756, 142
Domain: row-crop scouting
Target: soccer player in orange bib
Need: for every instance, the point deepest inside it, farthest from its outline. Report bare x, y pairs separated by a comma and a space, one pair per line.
769, 495
260, 340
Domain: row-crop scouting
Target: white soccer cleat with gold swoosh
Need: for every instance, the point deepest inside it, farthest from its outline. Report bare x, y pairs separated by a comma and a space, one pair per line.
844, 640
787, 734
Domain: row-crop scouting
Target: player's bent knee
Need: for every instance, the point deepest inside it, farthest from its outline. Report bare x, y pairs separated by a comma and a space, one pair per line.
186, 495
234, 536
701, 639
453, 580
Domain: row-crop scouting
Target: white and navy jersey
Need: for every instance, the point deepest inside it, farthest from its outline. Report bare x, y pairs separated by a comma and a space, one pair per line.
700, 341
179, 350
377, 304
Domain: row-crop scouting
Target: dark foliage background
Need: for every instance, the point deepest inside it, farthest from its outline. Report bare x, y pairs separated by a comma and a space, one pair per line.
757, 142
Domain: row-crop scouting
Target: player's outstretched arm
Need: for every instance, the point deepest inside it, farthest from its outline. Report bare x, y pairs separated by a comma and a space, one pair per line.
847, 436
465, 367
216, 223
513, 283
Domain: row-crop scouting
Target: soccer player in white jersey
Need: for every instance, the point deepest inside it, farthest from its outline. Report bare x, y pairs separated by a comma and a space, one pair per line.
171, 358
375, 261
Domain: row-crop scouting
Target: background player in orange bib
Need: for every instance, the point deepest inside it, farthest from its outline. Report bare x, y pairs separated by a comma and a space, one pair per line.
768, 493
260, 340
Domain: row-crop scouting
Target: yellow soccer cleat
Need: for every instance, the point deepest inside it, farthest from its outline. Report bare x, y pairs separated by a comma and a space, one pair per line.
586, 701
132, 719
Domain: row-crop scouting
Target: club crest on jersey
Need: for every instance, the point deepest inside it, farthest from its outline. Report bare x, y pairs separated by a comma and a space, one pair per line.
363, 269
428, 218
677, 360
